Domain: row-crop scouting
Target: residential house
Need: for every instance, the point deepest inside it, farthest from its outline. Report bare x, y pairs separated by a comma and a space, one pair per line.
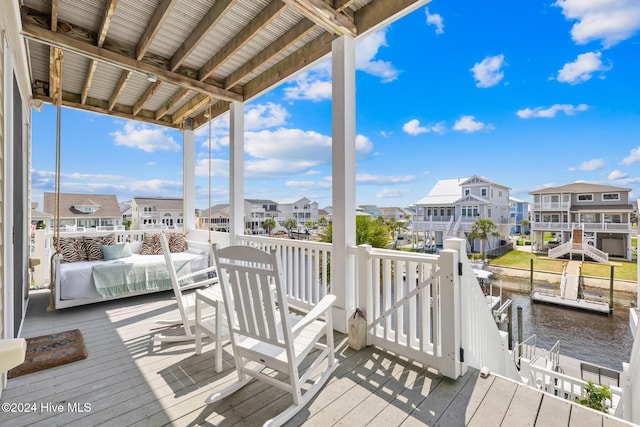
453, 205
256, 211
593, 214
518, 211
372, 210
302, 210
82, 211
216, 218
399, 214
156, 212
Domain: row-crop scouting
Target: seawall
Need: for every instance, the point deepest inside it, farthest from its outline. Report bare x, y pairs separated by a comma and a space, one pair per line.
518, 279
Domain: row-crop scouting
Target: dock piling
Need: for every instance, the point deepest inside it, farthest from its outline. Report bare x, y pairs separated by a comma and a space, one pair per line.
519, 332
531, 274
611, 289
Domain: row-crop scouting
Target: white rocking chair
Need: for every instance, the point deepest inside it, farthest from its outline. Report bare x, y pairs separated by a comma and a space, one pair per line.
265, 337
186, 300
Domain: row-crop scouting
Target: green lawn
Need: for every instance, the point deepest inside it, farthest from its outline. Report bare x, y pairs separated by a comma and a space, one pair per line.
624, 270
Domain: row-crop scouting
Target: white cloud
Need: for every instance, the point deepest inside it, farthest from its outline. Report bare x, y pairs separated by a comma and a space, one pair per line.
436, 20
550, 112
391, 193
144, 137
633, 157
469, 124
315, 84
311, 85
616, 175
365, 178
610, 21
589, 165
413, 127
310, 185
582, 69
488, 72
366, 51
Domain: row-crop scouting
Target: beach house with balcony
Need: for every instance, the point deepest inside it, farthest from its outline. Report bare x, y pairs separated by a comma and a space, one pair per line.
518, 211
453, 205
156, 212
585, 219
84, 211
302, 210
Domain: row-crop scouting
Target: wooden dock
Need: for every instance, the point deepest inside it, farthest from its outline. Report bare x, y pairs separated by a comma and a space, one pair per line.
129, 380
580, 303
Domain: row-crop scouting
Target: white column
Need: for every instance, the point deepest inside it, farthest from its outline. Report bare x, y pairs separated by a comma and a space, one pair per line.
344, 179
236, 171
189, 179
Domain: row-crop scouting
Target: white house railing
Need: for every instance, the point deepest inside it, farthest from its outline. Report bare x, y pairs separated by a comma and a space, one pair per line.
631, 376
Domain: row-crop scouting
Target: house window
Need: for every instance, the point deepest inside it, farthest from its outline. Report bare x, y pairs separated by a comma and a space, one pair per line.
585, 197
612, 218
466, 191
589, 218
483, 192
610, 196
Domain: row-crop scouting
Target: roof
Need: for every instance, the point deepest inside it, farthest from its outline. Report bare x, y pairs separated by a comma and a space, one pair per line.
487, 180
600, 208
293, 200
167, 61
167, 203
445, 192
261, 201
214, 209
108, 203
579, 187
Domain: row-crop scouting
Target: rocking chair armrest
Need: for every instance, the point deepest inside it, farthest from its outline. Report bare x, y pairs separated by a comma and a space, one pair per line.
323, 306
200, 284
198, 273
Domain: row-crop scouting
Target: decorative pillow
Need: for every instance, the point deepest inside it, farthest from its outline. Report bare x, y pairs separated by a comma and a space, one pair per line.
93, 246
177, 242
72, 249
120, 250
151, 244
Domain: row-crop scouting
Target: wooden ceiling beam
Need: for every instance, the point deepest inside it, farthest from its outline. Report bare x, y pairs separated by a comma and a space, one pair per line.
100, 106
161, 14
192, 105
52, 52
282, 43
340, 5
324, 15
110, 8
209, 21
148, 93
119, 60
379, 11
312, 51
261, 20
124, 78
217, 109
175, 99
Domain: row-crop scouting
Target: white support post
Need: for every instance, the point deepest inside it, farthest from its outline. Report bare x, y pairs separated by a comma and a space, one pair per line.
236, 171
450, 308
364, 296
344, 179
189, 179
461, 317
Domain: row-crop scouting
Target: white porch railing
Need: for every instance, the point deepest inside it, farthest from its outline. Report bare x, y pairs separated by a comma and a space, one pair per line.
631, 376
565, 386
593, 252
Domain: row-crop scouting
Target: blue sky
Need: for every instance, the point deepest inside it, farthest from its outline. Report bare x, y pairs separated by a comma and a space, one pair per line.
528, 94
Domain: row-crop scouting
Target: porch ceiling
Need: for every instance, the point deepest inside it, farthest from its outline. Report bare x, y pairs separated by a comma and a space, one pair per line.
202, 52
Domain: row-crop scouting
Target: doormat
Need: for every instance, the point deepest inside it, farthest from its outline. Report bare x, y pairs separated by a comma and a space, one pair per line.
47, 351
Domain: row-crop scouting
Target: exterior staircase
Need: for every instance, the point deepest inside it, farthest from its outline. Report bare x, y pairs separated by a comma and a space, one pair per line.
578, 245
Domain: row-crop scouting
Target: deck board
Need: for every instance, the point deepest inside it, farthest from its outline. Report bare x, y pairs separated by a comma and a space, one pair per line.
130, 380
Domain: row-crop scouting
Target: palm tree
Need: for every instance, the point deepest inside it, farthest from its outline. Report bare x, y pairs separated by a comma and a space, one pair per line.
482, 229
269, 224
368, 231
323, 221
290, 224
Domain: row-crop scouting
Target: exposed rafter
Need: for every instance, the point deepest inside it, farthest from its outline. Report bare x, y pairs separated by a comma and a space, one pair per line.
205, 25
175, 99
52, 52
379, 11
324, 15
274, 49
160, 15
217, 109
312, 51
100, 106
124, 78
340, 5
119, 60
261, 20
102, 35
192, 105
151, 90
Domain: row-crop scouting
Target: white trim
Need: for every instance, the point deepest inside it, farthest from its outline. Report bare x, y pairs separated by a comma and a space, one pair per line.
189, 178
8, 326
584, 201
609, 194
236, 171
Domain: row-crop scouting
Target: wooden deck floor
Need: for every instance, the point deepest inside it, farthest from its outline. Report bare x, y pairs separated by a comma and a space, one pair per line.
127, 380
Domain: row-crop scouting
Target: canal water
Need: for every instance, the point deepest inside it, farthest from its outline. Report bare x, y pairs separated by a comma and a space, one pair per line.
595, 338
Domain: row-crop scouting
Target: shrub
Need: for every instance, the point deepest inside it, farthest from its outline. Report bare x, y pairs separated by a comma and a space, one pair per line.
595, 397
